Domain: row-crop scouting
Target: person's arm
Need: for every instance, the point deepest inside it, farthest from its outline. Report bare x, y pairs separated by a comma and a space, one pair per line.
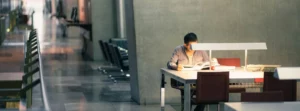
172, 64
205, 56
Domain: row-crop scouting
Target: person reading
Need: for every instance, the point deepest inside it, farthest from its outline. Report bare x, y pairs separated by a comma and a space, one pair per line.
184, 55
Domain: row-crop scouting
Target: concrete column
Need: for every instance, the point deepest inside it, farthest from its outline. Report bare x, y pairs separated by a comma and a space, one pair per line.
121, 18
53, 4
104, 25
132, 48
156, 27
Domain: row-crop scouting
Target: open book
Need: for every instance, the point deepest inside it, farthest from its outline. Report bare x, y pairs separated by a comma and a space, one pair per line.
198, 66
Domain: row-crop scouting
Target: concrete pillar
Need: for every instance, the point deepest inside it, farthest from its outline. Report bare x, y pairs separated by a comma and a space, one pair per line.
132, 48
53, 4
156, 27
104, 25
121, 18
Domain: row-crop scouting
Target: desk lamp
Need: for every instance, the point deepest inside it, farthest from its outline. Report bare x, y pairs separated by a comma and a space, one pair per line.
229, 46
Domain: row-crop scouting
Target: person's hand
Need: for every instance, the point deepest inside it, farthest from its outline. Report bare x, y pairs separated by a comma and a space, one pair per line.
179, 67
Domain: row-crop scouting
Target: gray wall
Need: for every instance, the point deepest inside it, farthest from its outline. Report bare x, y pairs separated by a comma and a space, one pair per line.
103, 23
161, 24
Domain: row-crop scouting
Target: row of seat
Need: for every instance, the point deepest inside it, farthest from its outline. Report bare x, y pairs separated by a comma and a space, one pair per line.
273, 89
2, 29
23, 90
118, 66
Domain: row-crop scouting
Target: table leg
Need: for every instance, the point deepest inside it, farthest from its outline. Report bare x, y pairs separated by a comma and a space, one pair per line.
187, 97
162, 93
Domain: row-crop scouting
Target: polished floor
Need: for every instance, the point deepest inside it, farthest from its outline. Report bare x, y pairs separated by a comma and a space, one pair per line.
72, 83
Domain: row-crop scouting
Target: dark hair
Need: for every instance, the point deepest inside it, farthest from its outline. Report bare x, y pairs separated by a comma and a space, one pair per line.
190, 37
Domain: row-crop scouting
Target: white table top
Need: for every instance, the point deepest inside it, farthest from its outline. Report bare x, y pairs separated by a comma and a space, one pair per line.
11, 76
262, 106
192, 75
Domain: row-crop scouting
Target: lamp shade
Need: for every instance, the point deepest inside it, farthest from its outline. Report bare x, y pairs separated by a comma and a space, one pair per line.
229, 46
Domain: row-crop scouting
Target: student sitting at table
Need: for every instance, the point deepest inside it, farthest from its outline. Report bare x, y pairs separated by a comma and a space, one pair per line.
184, 55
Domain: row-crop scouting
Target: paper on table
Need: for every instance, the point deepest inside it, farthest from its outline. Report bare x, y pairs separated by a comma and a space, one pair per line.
226, 68
195, 68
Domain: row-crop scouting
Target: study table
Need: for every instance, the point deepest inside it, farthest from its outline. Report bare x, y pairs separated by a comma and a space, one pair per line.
262, 106
190, 77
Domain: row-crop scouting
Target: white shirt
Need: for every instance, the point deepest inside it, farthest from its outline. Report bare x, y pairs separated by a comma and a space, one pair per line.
190, 60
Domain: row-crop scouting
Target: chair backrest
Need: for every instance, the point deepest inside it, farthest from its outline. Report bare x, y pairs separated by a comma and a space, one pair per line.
230, 61
269, 96
288, 87
109, 54
212, 87
104, 52
118, 57
113, 54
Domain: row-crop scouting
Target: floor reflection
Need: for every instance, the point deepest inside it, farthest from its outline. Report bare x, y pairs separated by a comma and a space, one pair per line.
72, 84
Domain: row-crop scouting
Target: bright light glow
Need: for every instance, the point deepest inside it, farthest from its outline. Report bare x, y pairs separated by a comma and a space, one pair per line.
38, 17
287, 73
229, 46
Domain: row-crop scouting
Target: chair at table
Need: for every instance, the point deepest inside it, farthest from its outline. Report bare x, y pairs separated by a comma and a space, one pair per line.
211, 88
270, 96
232, 62
288, 87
